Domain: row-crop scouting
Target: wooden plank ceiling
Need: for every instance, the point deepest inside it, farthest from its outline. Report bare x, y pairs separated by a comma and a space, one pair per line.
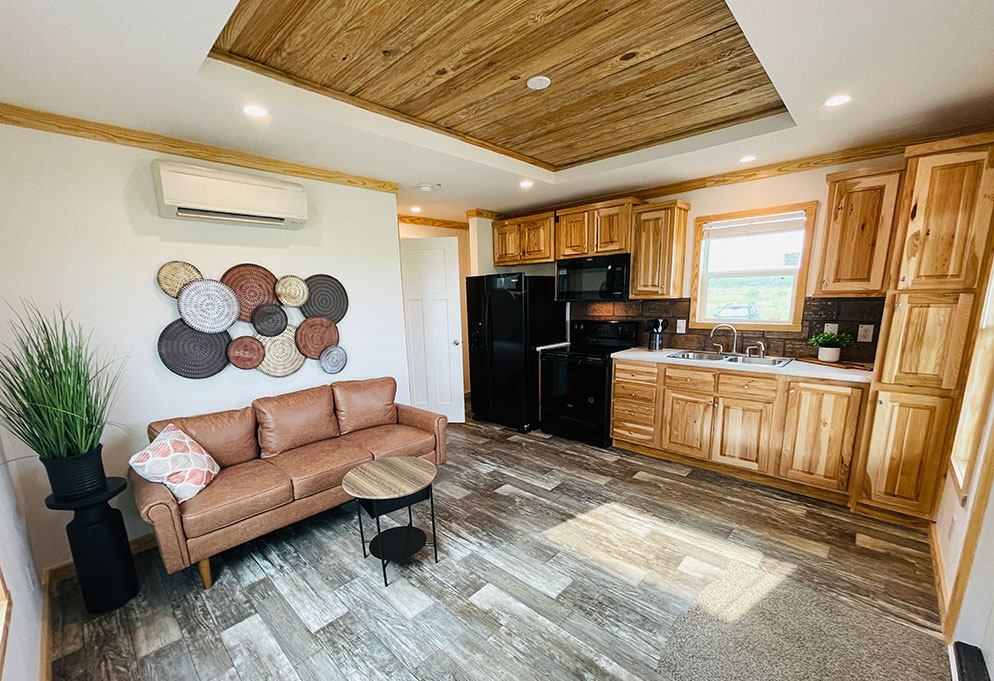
626, 74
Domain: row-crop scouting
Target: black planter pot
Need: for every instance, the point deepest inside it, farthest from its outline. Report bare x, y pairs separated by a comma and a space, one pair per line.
76, 477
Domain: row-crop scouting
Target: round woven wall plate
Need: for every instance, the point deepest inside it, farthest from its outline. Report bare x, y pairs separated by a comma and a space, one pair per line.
253, 284
333, 359
269, 319
192, 354
176, 274
246, 352
282, 356
327, 298
207, 306
315, 334
291, 290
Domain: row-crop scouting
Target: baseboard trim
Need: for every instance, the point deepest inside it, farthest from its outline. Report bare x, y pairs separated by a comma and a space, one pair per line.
938, 570
54, 575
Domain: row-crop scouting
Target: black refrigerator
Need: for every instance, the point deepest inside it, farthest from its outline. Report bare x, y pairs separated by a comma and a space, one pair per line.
509, 316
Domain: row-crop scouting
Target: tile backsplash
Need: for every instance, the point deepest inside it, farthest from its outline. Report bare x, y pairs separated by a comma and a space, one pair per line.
848, 313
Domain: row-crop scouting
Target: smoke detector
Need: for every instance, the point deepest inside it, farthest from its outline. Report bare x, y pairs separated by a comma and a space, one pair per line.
538, 82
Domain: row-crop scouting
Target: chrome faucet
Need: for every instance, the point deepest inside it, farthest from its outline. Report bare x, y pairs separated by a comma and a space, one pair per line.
760, 345
735, 338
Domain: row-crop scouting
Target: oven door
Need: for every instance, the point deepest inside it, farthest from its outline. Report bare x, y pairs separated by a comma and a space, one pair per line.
603, 277
575, 398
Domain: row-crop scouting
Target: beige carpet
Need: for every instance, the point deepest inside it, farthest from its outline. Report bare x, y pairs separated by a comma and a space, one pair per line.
752, 626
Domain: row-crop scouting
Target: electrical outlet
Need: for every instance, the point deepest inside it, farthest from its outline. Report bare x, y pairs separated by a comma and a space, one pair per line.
865, 333
681, 326
831, 328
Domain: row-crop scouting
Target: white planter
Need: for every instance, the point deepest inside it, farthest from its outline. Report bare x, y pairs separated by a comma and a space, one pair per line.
829, 354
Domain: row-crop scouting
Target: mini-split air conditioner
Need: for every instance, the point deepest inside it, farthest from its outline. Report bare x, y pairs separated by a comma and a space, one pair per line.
197, 193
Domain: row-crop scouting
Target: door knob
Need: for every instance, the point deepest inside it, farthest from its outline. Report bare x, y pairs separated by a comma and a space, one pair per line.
455, 342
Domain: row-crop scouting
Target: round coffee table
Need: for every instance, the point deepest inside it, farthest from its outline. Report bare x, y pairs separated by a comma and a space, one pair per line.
386, 485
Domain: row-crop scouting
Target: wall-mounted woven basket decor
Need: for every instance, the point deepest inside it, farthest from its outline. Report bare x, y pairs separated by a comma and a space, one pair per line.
191, 353
269, 319
176, 274
207, 305
333, 359
253, 284
246, 352
327, 298
315, 334
292, 290
282, 356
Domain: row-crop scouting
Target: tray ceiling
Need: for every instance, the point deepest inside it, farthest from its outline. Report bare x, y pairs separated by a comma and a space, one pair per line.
626, 74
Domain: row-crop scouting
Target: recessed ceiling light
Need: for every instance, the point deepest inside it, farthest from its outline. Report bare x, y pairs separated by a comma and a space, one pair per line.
748, 158
415, 209
538, 82
255, 111
526, 184
427, 186
838, 100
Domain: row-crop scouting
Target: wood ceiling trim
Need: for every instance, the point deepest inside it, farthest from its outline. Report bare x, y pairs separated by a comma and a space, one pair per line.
432, 222
482, 213
369, 106
103, 132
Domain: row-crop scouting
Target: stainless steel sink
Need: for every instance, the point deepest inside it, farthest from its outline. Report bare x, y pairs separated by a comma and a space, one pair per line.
708, 356
761, 361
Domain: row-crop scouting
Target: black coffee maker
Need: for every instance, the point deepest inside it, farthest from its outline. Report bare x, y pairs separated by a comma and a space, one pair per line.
655, 327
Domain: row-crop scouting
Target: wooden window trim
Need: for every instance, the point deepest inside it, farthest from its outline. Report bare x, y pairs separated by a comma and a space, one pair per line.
5, 610
810, 210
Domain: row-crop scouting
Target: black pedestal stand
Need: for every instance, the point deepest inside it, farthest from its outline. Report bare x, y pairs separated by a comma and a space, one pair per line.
100, 549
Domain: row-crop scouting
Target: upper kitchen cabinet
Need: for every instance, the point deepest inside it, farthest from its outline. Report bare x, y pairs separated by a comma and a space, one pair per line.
658, 242
952, 197
524, 240
594, 229
856, 243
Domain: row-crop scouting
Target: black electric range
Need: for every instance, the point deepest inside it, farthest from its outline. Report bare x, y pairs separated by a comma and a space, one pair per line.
576, 381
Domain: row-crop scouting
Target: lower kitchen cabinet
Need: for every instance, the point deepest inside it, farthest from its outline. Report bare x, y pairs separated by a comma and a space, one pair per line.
819, 434
686, 423
906, 450
742, 430
792, 432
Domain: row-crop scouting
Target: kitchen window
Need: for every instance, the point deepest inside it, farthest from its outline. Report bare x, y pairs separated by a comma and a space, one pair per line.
751, 267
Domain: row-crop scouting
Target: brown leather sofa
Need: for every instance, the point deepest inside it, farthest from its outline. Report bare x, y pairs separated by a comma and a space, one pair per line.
281, 460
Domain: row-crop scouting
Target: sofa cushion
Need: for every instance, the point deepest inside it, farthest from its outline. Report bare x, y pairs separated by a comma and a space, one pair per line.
238, 492
393, 440
321, 465
229, 436
295, 419
362, 404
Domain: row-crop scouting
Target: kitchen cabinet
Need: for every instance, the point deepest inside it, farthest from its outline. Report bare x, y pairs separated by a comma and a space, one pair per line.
686, 425
906, 451
742, 432
952, 198
927, 339
528, 239
634, 403
594, 229
658, 245
856, 243
819, 434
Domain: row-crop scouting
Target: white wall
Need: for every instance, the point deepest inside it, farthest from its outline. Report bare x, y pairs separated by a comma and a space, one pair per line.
21, 662
409, 231
800, 187
80, 228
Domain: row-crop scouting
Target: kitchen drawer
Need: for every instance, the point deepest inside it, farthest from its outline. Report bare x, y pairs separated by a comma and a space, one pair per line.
633, 432
635, 391
639, 372
636, 412
761, 388
690, 379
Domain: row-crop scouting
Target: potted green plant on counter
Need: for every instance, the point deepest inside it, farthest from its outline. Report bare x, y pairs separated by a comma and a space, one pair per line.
55, 391
830, 345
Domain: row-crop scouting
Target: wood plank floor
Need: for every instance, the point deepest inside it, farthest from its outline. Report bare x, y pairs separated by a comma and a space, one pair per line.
558, 561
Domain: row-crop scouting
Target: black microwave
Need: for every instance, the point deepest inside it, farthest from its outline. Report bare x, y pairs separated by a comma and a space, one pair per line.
602, 277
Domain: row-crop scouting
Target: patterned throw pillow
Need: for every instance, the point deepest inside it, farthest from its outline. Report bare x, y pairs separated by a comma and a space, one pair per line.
177, 461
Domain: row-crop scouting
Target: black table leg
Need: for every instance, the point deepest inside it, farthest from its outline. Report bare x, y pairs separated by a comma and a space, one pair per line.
434, 539
362, 537
383, 561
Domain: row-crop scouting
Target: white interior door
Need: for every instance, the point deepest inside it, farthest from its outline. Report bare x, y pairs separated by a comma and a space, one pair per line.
430, 272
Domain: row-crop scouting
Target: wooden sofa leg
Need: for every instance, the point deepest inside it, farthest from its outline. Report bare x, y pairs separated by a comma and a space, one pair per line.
205, 573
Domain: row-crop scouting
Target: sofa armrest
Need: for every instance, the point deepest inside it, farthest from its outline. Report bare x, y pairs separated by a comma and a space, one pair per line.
158, 507
426, 420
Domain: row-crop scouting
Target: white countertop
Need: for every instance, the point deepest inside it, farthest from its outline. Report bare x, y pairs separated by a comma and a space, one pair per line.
792, 368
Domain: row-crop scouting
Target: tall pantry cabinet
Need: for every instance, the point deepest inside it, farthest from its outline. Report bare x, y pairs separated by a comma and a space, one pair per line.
932, 310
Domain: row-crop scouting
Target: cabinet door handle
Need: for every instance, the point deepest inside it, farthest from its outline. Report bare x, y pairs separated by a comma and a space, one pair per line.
898, 304
745, 387
688, 380
880, 401
791, 391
